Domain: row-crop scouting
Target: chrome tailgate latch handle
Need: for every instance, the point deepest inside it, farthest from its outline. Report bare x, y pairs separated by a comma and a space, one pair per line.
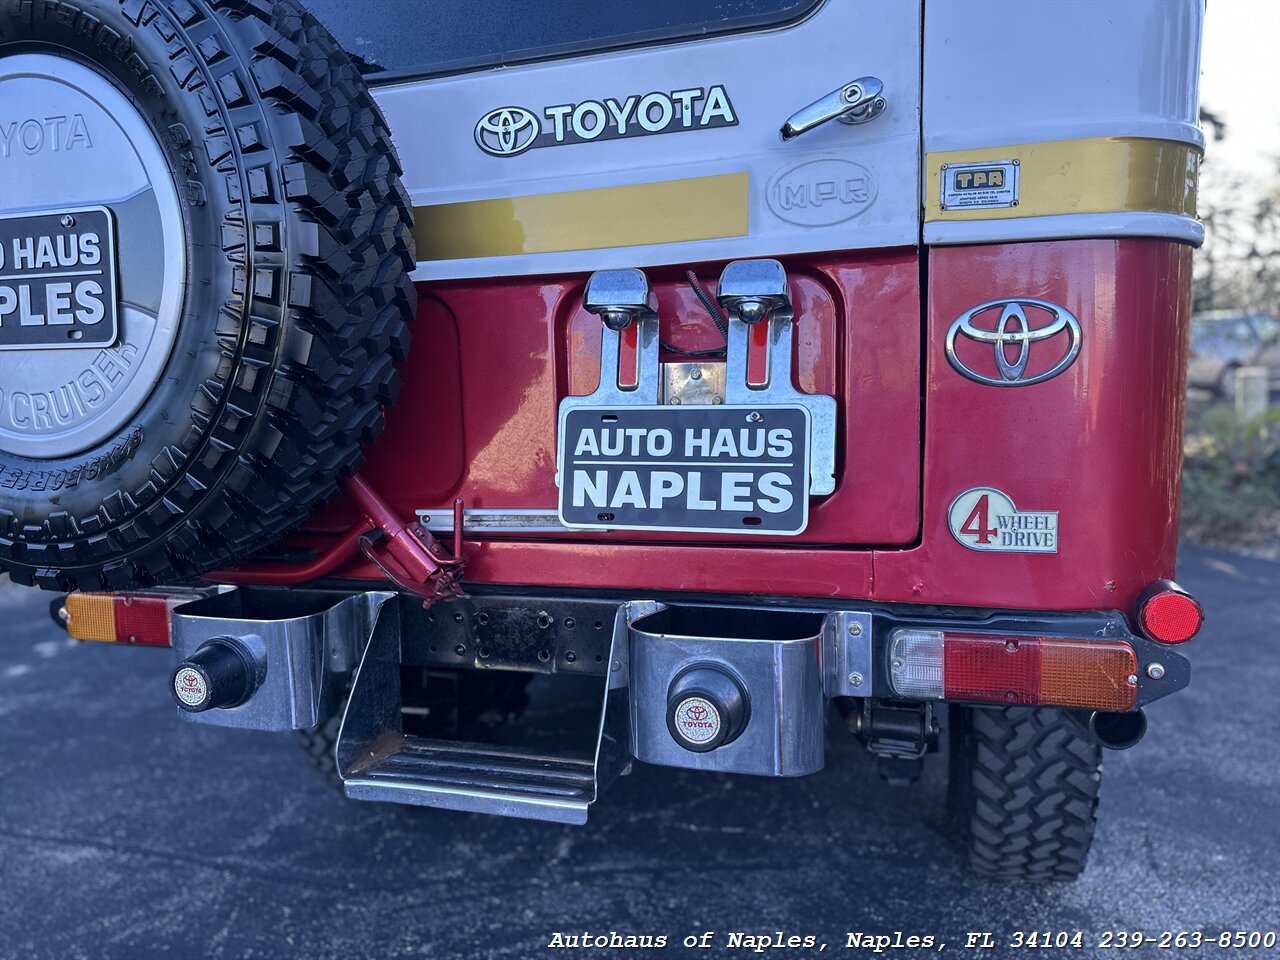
856, 102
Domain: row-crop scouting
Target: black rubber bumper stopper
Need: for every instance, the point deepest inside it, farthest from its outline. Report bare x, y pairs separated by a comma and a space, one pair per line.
707, 707
221, 673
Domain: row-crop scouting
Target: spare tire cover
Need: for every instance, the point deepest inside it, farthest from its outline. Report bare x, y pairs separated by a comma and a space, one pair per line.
205, 253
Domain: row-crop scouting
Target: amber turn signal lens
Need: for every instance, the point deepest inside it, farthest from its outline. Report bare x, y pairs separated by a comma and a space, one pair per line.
1099, 674
91, 616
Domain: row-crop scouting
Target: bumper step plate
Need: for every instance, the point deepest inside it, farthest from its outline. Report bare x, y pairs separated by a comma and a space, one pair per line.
378, 761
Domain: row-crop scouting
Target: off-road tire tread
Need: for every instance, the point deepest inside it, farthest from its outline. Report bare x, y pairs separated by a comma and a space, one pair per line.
318, 743
1023, 791
322, 310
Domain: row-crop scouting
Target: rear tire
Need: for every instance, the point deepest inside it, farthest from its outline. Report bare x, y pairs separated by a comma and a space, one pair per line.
319, 742
1023, 791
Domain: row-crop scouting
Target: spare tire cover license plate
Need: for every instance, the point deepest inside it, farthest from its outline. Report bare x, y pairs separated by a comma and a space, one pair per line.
58, 283
697, 468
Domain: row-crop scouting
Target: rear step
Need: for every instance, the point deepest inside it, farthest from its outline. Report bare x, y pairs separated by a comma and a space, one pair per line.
377, 760
478, 778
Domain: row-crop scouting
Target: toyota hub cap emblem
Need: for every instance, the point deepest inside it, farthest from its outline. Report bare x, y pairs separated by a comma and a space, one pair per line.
1009, 336
697, 720
190, 687
506, 131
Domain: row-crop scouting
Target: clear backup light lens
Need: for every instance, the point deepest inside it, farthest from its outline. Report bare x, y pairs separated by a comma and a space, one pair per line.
130, 618
915, 663
1168, 614
1034, 671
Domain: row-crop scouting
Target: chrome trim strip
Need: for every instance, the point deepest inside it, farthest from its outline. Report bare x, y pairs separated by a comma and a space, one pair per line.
497, 520
467, 800
1067, 226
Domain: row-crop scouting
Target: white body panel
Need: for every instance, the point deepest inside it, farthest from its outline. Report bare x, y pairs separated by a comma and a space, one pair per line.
999, 72
767, 75
1077, 76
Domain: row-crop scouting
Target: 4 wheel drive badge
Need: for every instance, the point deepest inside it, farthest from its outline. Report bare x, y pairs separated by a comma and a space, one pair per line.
1011, 330
508, 131
697, 720
985, 519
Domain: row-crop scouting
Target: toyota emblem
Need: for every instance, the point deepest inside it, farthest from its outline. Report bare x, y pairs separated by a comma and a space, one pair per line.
697, 721
507, 131
1010, 336
190, 687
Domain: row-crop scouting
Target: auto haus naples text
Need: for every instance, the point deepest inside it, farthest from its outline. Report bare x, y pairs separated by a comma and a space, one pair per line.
28, 299
654, 468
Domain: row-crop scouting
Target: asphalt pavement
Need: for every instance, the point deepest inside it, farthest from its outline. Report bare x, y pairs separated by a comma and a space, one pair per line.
125, 833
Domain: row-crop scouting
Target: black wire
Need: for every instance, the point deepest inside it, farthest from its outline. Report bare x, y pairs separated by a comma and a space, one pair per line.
713, 309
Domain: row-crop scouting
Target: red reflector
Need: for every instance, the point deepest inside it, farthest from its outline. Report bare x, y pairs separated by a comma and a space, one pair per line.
628, 356
1170, 617
758, 355
144, 620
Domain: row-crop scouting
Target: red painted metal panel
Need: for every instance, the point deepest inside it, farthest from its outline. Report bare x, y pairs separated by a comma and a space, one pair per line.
522, 345
637, 568
1100, 443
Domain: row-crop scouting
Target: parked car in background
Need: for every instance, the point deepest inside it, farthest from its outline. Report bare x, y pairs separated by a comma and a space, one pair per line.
1222, 341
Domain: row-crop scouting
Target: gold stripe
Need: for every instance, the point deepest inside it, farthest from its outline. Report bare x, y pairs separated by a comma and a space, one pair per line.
671, 211
1098, 175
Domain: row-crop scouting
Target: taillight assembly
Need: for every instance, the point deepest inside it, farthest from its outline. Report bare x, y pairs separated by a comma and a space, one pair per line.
1168, 614
131, 618
1033, 671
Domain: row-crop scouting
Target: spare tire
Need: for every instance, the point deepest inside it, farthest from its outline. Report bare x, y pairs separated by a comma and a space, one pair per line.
204, 288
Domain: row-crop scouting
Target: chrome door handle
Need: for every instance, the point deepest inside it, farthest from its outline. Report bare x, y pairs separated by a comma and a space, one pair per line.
856, 102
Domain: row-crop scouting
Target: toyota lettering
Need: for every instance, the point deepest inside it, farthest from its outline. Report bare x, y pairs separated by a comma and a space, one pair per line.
508, 131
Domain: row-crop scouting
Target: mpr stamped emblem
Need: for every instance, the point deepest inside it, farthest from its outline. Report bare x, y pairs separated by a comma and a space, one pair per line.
983, 518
